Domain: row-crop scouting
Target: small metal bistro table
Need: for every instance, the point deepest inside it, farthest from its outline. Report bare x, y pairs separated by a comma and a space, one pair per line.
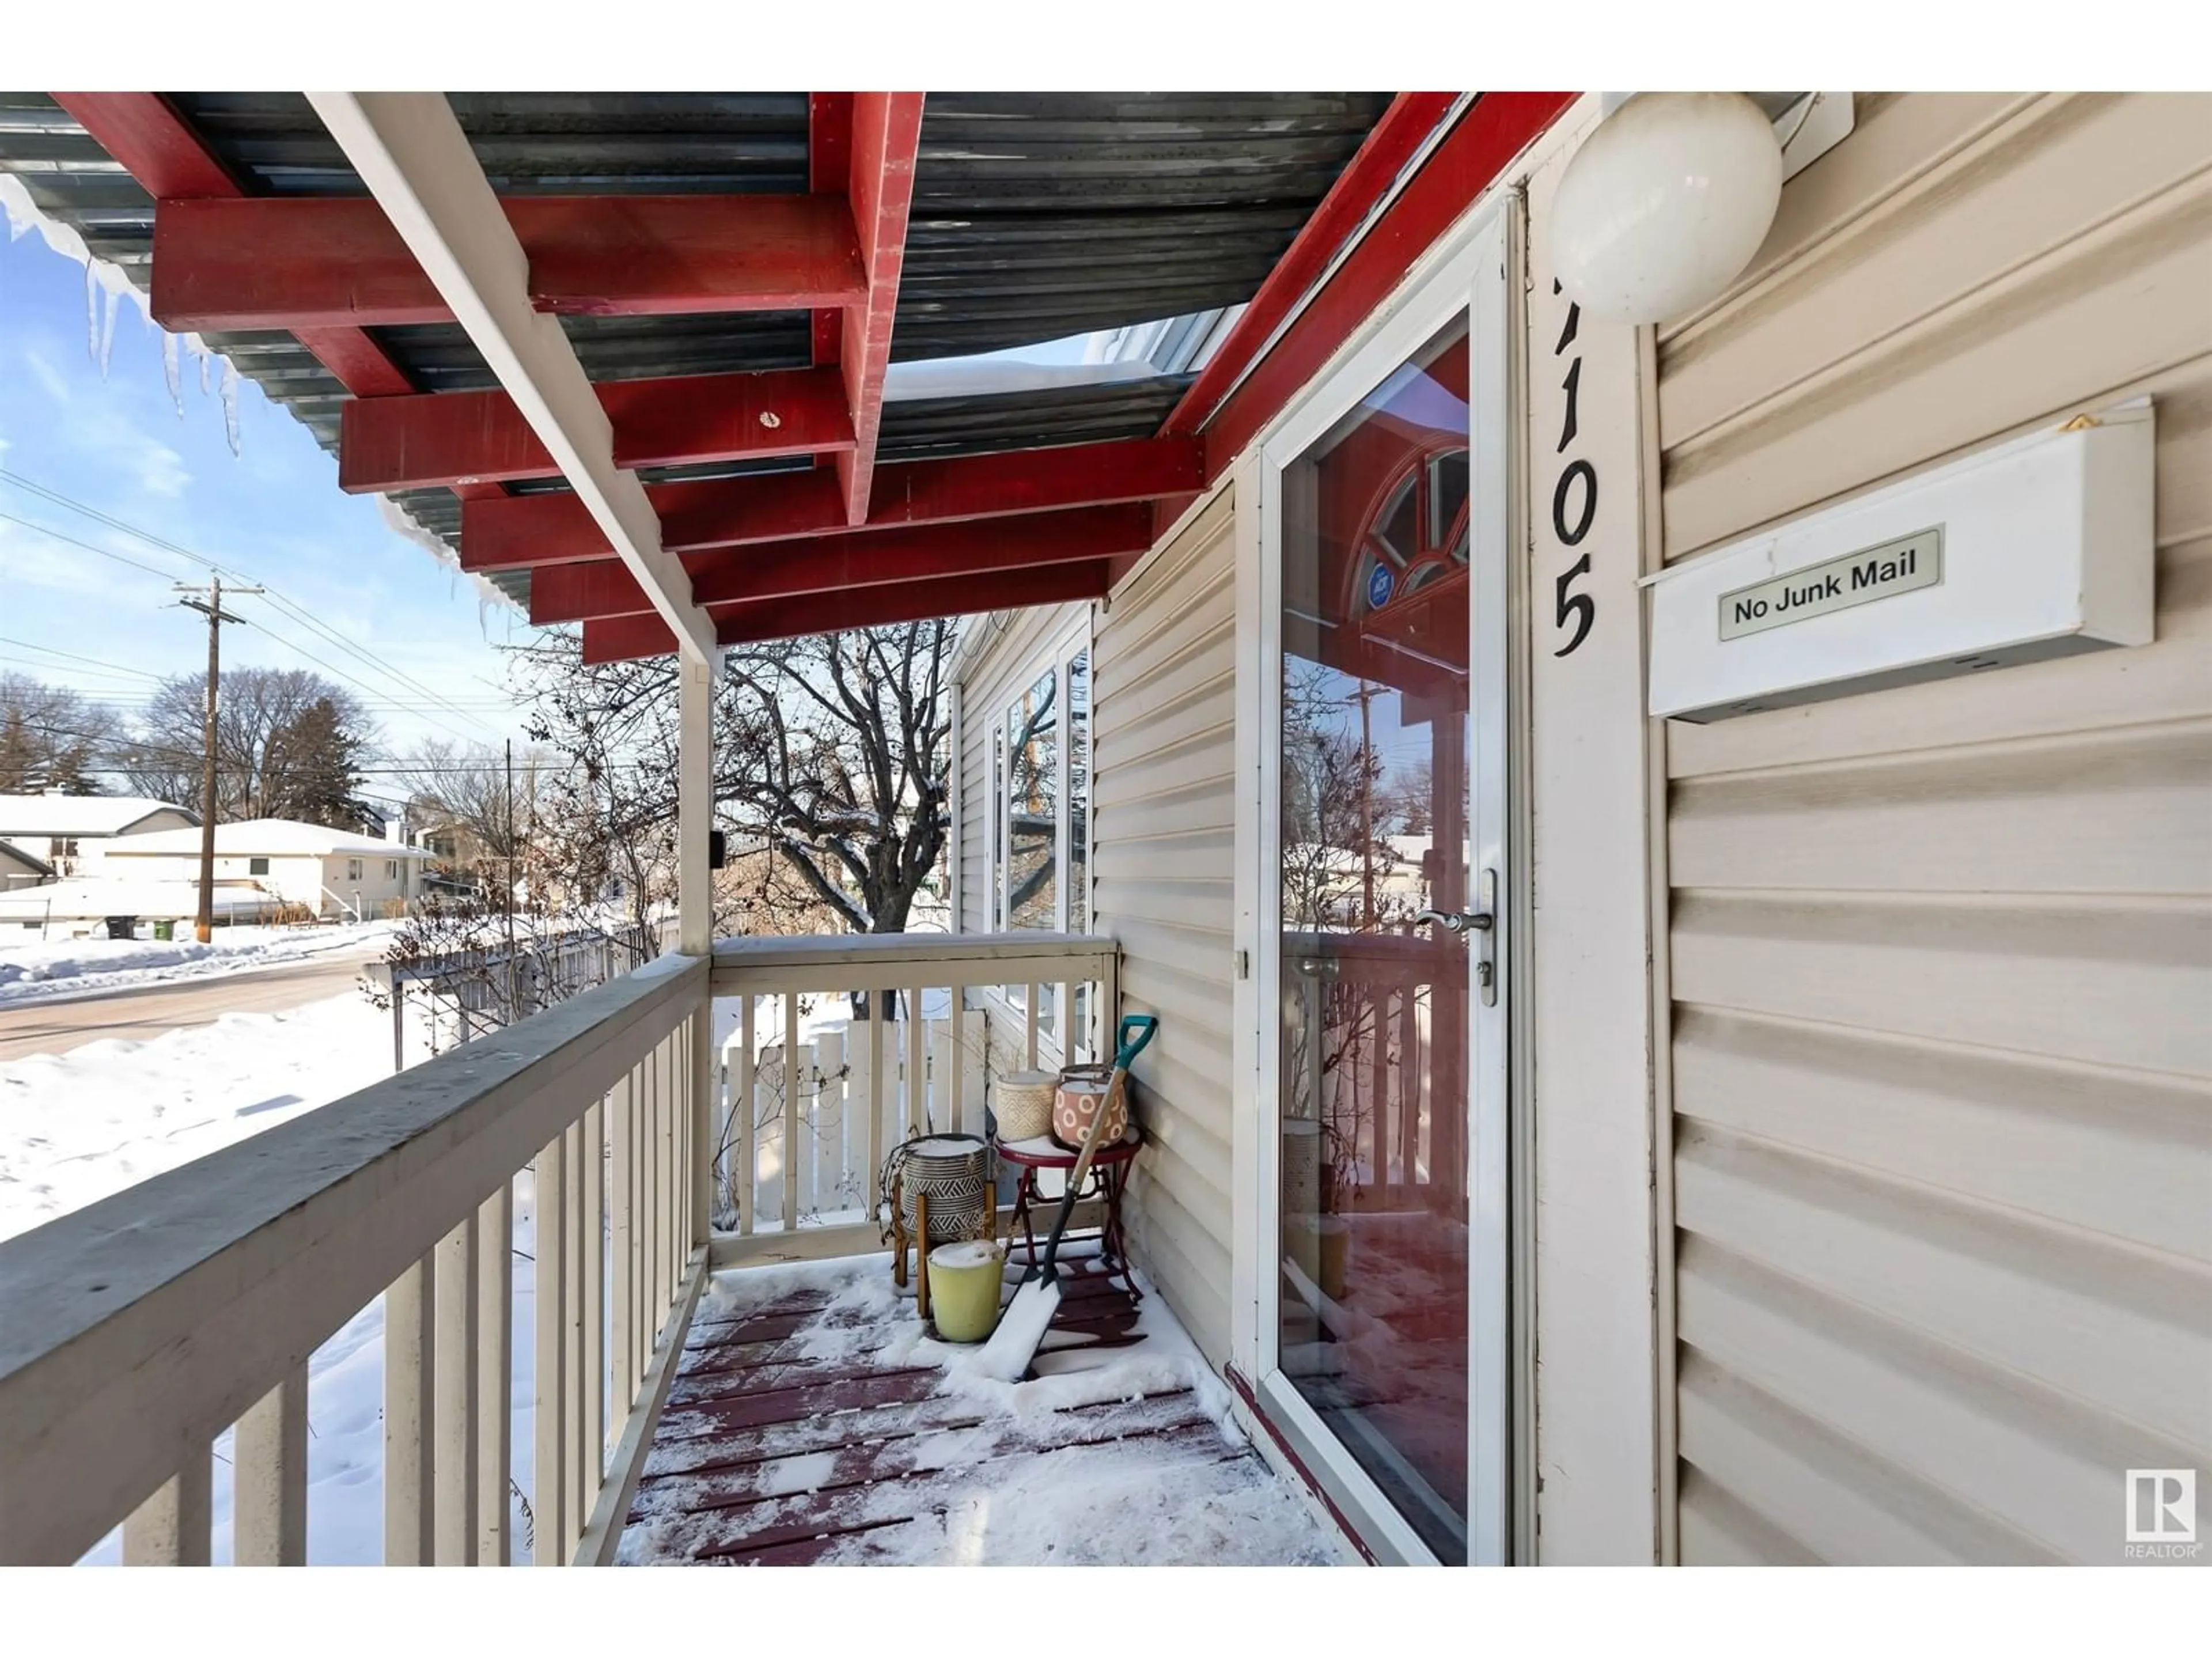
1108, 1177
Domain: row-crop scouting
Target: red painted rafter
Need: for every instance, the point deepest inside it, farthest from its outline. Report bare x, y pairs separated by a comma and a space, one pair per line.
886, 138
1500, 127
298, 262
466, 437
854, 560
1389, 145
533, 532
619, 639
829, 172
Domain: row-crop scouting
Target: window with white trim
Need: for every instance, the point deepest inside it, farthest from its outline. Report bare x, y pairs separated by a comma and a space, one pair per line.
1041, 792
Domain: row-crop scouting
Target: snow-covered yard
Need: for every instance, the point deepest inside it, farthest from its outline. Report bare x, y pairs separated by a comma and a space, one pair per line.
75, 1127
34, 969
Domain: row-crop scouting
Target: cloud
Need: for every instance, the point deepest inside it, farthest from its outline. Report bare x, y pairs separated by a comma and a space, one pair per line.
159, 469
46, 374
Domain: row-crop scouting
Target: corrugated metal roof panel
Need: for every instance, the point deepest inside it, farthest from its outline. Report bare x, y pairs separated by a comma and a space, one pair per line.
1036, 216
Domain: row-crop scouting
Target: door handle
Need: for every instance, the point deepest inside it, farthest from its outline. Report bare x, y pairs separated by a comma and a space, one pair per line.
1483, 922
1459, 921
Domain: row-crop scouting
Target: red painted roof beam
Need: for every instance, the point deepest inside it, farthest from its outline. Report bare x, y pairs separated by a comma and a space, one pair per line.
1469, 159
620, 639
468, 437
831, 564
314, 263
886, 138
534, 531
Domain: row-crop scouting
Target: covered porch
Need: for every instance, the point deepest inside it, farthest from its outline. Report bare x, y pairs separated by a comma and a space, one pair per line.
533, 1209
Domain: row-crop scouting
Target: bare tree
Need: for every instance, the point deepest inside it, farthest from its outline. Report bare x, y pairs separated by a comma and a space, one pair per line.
51, 738
460, 796
256, 705
831, 757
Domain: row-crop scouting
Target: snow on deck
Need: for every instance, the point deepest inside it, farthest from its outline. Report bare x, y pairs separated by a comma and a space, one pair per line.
812, 1418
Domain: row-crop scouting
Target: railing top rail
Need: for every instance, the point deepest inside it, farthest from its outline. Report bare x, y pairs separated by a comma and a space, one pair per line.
159, 1314
811, 950
862, 962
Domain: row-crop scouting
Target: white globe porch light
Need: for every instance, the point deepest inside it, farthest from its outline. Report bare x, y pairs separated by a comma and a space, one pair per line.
1665, 204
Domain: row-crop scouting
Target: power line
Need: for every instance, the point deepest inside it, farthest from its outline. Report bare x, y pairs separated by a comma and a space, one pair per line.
283, 602
96, 662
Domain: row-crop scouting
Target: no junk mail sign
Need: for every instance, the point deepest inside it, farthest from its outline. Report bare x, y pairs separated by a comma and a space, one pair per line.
2038, 548
1902, 566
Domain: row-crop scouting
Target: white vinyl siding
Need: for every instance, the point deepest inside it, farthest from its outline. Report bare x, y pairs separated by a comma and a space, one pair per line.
1164, 875
1941, 955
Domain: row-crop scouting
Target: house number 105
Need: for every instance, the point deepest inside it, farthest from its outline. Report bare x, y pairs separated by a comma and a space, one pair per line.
1574, 499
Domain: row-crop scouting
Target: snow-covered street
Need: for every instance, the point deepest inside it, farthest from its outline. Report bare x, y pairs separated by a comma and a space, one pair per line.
34, 969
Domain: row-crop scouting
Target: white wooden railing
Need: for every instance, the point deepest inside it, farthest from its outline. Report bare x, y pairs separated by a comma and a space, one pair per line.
809, 1105
135, 1332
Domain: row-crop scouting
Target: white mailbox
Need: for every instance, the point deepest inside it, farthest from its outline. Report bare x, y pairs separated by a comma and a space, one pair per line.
2038, 548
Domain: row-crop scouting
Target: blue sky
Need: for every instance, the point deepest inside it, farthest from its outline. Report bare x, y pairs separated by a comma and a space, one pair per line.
273, 512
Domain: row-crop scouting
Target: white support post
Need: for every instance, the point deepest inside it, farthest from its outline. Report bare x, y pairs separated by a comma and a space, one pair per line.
173, 1527
269, 1509
453, 1390
695, 801
548, 1479
409, 148
410, 1422
495, 1376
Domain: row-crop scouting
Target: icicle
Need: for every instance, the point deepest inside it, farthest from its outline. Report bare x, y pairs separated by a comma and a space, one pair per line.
230, 420
207, 367
91, 311
172, 370
108, 330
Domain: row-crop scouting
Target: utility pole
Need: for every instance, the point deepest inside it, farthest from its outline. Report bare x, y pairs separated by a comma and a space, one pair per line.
211, 608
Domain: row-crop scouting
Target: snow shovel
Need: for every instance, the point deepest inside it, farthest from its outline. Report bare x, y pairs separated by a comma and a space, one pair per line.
1022, 1328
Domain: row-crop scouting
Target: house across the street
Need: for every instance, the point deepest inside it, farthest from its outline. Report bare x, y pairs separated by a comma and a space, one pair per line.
332, 871
67, 832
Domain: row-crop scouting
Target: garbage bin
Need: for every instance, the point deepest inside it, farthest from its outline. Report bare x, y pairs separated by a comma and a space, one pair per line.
165, 931
123, 928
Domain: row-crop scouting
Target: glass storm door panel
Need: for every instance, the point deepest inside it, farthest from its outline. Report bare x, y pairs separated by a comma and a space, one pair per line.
1373, 1103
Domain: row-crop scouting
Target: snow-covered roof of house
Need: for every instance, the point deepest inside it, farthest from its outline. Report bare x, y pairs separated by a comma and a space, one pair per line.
266, 837
11, 853
79, 815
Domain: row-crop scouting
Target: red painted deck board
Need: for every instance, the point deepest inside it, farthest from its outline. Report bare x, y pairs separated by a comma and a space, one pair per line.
809, 1426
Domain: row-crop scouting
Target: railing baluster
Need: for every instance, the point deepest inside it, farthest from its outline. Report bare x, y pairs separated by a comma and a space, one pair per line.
956, 1067
660, 1227
574, 1242
1030, 1020
594, 1448
741, 1101
917, 1060
453, 1413
410, 1420
495, 1376
623, 1289
640, 1215
791, 1070
174, 1527
878, 1008
549, 1481
269, 1505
